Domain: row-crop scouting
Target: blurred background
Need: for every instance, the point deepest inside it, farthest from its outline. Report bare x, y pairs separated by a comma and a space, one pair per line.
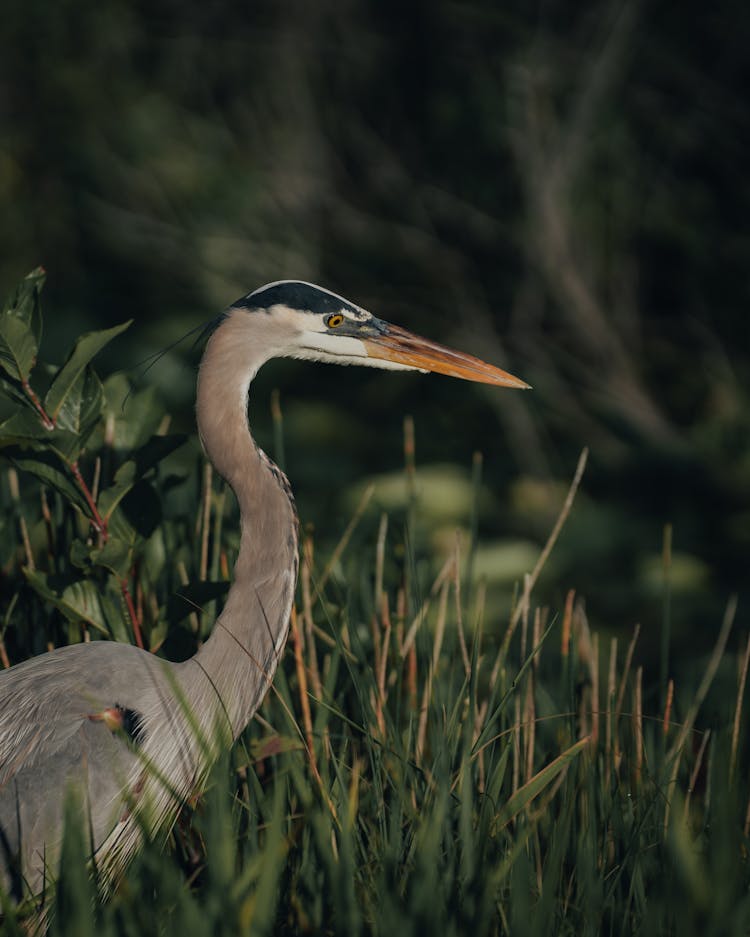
561, 189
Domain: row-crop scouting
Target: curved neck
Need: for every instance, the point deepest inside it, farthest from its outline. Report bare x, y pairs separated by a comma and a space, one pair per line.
240, 657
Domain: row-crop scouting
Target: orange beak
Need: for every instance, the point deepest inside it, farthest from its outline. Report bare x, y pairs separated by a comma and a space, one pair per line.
403, 347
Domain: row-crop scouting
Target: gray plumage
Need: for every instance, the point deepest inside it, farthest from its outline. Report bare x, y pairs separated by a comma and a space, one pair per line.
135, 734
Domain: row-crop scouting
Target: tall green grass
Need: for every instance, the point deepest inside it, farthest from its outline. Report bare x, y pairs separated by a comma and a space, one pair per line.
409, 792
418, 767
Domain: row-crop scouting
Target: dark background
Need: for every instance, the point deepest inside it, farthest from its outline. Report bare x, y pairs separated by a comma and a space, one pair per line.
560, 188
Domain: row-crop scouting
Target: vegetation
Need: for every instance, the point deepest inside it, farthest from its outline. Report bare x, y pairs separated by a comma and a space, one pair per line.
561, 189
422, 764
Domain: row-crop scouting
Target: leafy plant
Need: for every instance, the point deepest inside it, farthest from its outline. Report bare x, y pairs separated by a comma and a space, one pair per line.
64, 421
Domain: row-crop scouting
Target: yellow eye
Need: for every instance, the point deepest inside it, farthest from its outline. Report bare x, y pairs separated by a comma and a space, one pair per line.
335, 320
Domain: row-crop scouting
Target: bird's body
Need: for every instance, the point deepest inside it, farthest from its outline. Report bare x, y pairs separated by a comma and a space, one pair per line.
55, 738
133, 733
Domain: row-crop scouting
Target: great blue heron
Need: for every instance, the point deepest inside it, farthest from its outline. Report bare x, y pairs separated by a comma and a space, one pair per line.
136, 734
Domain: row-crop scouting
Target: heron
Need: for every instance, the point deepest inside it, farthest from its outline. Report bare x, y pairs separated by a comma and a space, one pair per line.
134, 734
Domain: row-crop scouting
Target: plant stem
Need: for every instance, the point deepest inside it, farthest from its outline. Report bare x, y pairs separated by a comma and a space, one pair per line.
132, 613
97, 521
37, 404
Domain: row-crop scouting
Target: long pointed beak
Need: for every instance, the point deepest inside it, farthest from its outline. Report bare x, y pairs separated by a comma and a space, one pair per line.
403, 347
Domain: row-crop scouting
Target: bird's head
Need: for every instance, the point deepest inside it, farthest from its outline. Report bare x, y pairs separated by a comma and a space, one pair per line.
302, 320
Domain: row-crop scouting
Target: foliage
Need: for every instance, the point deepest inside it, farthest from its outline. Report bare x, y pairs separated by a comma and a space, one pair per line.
418, 767
561, 188
55, 434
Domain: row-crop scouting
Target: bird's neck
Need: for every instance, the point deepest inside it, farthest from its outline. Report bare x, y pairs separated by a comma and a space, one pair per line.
240, 657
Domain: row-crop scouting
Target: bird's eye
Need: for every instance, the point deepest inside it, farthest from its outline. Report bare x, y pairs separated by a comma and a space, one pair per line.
335, 320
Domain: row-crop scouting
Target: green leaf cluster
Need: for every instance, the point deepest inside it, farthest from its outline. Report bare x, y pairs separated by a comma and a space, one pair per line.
78, 484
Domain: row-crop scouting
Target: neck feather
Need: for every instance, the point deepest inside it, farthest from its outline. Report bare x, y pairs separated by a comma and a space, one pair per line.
240, 657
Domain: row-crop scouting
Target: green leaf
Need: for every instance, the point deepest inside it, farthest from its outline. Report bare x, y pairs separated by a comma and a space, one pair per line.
133, 416
84, 350
46, 467
524, 795
132, 471
83, 405
62, 445
18, 347
79, 601
119, 526
83, 600
78, 418
125, 478
74, 895
24, 426
115, 555
21, 327
113, 608
11, 391
25, 431
24, 304
158, 635
79, 415
80, 554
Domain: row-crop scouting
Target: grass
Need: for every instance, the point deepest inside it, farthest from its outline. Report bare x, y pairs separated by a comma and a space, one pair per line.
418, 766
406, 775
